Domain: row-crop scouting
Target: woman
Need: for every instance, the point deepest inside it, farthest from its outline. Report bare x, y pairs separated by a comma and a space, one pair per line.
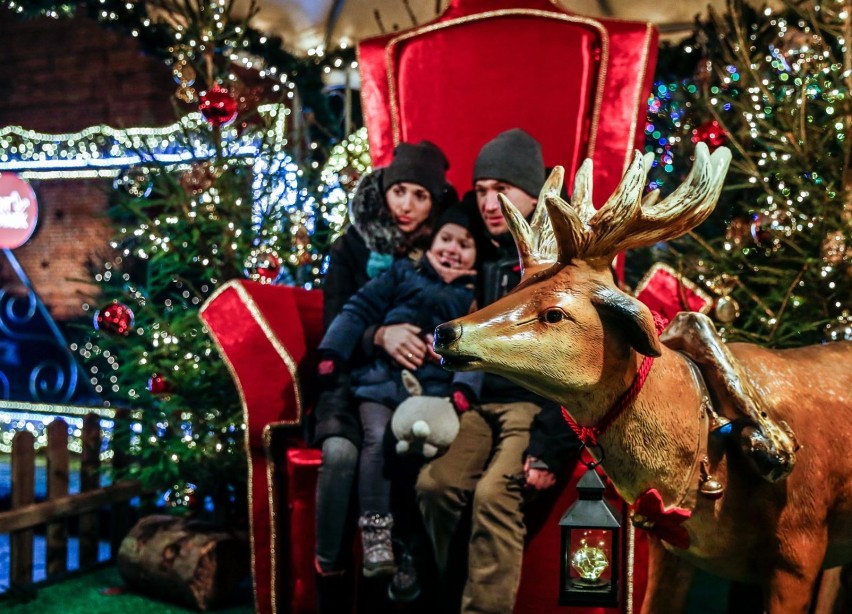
393, 214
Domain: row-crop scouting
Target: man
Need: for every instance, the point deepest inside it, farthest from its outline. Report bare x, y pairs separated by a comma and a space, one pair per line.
509, 439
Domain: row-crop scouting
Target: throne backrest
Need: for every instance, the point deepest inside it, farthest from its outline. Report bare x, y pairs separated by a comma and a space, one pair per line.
578, 85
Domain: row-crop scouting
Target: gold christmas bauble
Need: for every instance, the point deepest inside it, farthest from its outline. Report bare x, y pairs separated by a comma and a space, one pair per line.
726, 309
833, 248
186, 94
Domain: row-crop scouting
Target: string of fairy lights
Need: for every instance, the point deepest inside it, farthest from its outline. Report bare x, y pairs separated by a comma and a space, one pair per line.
189, 34
134, 157
103, 151
776, 92
275, 183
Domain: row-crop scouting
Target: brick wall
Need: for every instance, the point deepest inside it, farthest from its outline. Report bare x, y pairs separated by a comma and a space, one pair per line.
62, 76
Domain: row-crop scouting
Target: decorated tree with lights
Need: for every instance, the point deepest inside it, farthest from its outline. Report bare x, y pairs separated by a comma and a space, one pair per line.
219, 199
774, 86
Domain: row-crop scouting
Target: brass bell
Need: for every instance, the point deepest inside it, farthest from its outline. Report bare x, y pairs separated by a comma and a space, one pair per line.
710, 487
719, 425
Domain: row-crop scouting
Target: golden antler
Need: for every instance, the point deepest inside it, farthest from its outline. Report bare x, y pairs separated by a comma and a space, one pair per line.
536, 241
626, 220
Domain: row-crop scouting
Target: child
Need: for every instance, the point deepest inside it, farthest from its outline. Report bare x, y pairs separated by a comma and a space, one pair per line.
437, 288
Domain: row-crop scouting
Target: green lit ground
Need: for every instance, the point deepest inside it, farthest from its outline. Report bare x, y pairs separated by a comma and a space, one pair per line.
91, 594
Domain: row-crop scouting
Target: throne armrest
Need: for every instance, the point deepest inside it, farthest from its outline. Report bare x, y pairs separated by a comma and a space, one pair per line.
266, 336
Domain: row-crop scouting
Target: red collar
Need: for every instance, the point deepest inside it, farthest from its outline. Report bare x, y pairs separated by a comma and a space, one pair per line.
589, 434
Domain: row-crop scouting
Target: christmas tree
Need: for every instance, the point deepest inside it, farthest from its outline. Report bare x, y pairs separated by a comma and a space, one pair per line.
774, 86
219, 199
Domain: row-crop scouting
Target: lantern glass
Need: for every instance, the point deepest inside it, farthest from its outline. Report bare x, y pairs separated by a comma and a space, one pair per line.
590, 560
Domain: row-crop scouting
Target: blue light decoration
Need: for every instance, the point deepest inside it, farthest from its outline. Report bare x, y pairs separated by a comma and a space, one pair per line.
35, 418
103, 151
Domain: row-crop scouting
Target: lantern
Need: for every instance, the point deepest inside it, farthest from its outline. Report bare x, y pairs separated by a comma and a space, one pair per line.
591, 536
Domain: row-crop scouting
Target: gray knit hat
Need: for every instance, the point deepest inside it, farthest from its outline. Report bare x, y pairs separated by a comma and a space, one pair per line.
424, 164
514, 157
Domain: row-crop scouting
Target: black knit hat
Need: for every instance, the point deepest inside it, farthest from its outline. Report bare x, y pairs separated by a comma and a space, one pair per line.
456, 214
423, 164
514, 157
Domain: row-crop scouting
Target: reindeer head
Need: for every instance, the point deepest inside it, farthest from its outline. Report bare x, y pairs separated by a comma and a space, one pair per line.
567, 326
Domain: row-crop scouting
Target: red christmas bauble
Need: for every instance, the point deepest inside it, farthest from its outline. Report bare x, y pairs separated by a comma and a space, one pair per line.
157, 384
711, 133
263, 265
218, 106
767, 229
116, 318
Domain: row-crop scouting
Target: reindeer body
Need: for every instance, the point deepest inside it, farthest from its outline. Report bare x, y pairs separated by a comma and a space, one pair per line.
568, 333
803, 522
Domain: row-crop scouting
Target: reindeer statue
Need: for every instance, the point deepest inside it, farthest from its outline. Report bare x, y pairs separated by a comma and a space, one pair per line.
568, 333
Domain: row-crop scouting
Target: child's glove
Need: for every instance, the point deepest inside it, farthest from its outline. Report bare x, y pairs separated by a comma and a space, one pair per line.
462, 397
329, 371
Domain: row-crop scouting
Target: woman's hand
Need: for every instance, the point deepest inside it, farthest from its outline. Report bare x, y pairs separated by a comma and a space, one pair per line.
403, 343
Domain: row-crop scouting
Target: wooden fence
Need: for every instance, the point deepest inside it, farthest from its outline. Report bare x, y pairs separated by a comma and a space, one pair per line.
60, 507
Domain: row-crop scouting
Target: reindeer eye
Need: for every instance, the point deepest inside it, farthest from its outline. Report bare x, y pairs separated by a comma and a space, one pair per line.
553, 316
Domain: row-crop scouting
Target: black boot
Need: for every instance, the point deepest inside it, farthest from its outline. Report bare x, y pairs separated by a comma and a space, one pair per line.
334, 592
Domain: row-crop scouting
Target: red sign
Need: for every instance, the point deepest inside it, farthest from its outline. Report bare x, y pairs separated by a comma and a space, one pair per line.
18, 211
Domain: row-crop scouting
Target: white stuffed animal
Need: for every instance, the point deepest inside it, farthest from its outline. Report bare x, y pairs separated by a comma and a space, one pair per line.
423, 424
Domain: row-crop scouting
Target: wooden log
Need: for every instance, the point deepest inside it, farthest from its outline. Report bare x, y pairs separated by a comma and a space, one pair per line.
183, 561
57, 486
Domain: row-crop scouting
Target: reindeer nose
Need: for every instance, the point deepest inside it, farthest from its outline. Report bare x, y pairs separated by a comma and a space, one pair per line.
446, 333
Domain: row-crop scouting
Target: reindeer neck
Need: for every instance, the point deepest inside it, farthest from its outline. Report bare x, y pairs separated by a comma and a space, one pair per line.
654, 443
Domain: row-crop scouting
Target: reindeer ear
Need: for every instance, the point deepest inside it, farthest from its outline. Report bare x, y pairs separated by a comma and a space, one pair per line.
635, 318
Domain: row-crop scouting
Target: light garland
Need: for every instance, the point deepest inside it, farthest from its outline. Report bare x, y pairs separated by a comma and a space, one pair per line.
12, 422
102, 151
347, 163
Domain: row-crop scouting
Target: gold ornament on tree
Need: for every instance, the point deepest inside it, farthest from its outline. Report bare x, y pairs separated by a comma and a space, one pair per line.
301, 243
737, 232
184, 75
301, 238
725, 308
199, 178
834, 248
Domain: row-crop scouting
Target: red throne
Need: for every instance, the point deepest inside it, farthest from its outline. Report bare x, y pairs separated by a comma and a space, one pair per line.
266, 335
579, 86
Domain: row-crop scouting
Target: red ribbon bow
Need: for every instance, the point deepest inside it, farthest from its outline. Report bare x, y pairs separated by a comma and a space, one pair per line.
648, 513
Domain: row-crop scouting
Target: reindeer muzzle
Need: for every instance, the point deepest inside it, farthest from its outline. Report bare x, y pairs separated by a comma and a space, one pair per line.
445, 341
445, 334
